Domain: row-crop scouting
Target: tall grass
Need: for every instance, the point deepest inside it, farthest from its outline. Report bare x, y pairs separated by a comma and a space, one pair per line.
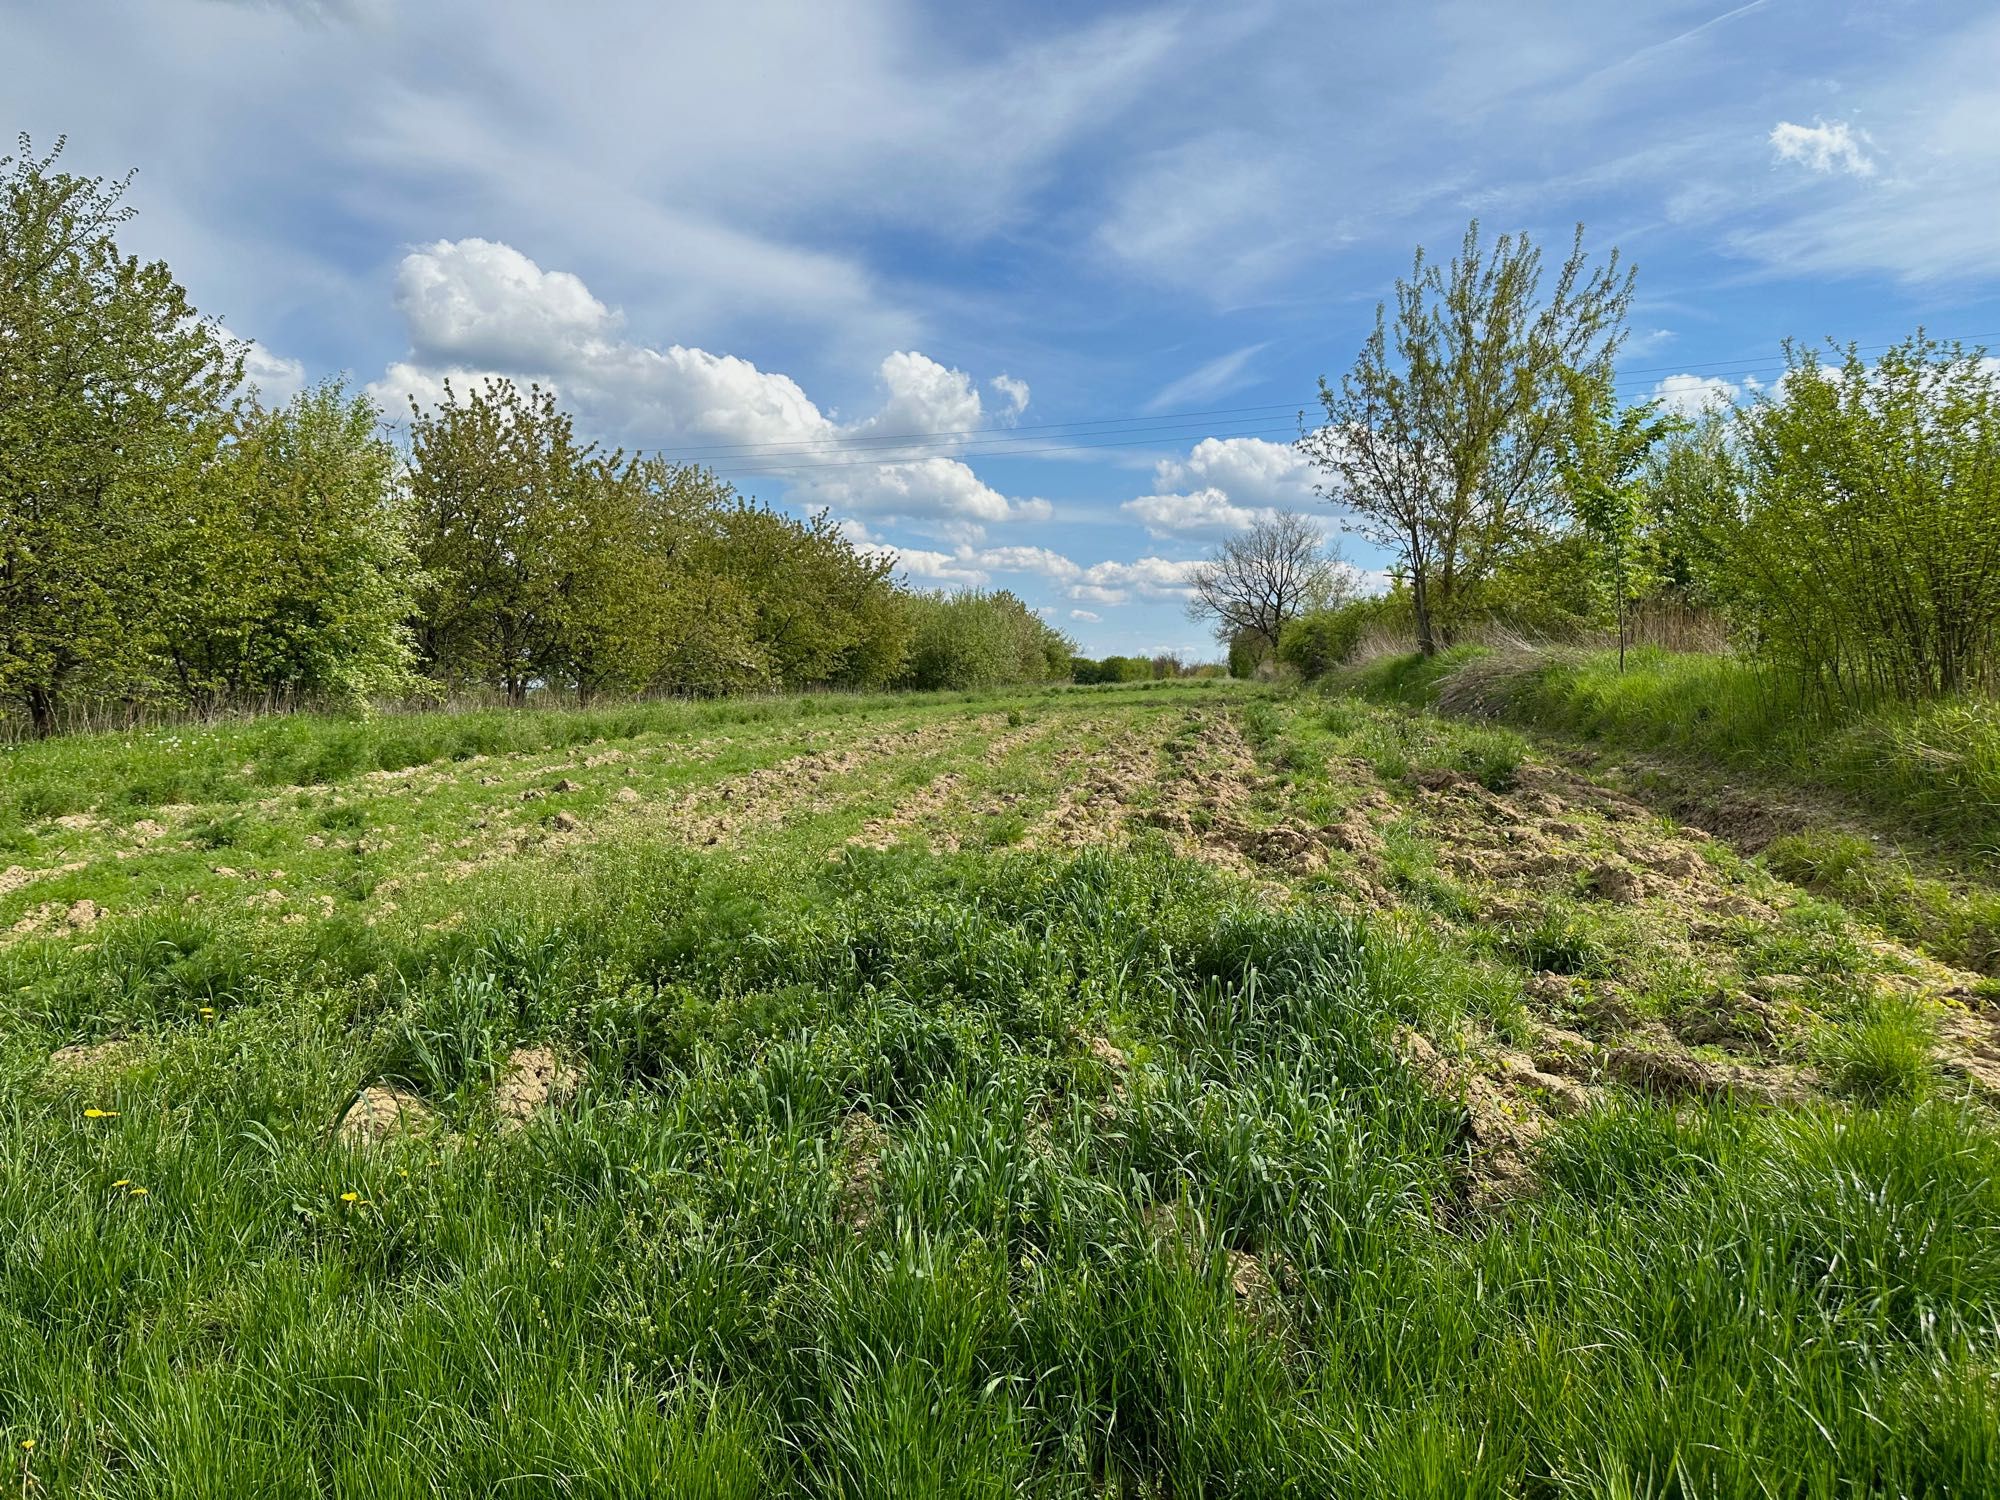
1232, 1264
1937, 767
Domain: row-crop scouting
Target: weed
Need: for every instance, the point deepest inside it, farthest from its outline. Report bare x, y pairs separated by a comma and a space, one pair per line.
1881, 1052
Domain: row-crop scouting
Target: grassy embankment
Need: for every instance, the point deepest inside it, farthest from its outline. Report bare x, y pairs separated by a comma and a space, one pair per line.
1906, 824
1038, 1170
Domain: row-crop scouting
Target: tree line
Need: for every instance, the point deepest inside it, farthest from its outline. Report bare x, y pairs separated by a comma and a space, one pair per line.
1843, 524
167, 540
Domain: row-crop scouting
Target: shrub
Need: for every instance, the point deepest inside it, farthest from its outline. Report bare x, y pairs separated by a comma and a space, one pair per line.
1865, 552
1314, 644
972, 639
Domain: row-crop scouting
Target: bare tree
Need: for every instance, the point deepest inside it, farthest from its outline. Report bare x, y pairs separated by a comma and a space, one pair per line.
1256, 583
1445, 446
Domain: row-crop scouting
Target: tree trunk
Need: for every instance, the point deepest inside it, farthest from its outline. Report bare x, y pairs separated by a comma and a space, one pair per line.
1420, 600
42, 711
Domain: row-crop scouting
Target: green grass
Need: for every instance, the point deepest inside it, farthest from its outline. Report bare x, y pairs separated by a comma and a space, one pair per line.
851, 1202
1928, 778
1937, 768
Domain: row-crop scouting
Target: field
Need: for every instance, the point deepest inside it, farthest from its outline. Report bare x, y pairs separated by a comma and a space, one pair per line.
1163, 1090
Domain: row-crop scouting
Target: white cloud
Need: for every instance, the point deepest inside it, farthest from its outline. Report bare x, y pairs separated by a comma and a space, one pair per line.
1148, 578
476, 306
1152, 578
942, 568
924, 397
1087, 616
1691, 395
1224, 485
479, 302
1223, 373
404, 382
1203, 510
1823, 147
1015, 392
275, 379
1250, 470
942, 492
1029, 560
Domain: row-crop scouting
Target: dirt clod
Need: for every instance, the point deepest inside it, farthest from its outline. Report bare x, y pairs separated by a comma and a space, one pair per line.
534, 1080
81, 1057
858, 1170
1108, 1053
381, 1112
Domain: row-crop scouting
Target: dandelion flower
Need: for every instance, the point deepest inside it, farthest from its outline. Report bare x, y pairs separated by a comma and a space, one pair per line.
138, 1192
94, 1113
350, 1197
27, 1445
123, 1182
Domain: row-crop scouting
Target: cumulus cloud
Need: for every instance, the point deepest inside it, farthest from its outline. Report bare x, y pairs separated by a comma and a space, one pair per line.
1087, 616
476, 307
941, 491
1691, 395
479, 302
1154, 578
1147, 578
1823, 147
924, 397
1203, 510
946, 568
1224, 485
275, 379
1249, 469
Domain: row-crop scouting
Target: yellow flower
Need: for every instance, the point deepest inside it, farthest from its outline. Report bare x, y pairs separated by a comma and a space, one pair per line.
208, 1010
27, 1445
94, 1113
123, 1182
138, 1192
350, 1197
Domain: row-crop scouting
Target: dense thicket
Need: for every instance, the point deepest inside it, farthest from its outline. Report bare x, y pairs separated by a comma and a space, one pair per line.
974, 639
166, 541
1860, 539
1843, 526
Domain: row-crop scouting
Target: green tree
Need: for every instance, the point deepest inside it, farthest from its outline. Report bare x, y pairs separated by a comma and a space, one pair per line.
1602, 459
824, 611
501, 490
114, 399
295, 582
1865, 549
1442, 438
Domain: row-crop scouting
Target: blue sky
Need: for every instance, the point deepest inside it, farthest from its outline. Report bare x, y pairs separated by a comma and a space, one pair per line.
1031, 293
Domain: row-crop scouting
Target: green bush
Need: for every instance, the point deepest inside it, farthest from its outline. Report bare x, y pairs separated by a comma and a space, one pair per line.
1317, 642
973, 639
1864, 546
